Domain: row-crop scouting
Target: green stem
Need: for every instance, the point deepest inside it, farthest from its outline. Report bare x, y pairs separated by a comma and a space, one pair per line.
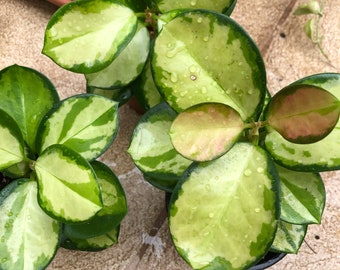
318, 40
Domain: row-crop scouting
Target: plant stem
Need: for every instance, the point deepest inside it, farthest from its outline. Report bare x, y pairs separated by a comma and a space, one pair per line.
318, 40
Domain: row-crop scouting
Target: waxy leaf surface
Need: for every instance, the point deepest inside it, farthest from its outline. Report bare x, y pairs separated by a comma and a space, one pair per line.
85, 36
225, 211
303, 113
68, 187
206, 131
85, 123
26, 95
29, 237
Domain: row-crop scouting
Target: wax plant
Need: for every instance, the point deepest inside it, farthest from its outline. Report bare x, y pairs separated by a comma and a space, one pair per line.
242, 165
56, 193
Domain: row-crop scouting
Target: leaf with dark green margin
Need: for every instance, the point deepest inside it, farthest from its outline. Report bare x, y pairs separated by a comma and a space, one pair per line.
86, 36
68, 186
97, 243
113, 211
202, 56
151, 148
26, 95
323, 155
86, 123
29, 237
303, 196
206, 131
127, 66
11, 142
289, 237
303, 113
226, 209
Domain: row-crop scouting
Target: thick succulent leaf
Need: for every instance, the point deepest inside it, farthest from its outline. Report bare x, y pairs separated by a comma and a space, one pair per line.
85, 36
323, 155
303, 113
151, 148
113, 211
303, 196
29, 237
94, 243
68, 187
216, 5
225, 212
18, 170
289, 237
127, 66
11, 142
26, 95
85, 123
201, 56
206, 131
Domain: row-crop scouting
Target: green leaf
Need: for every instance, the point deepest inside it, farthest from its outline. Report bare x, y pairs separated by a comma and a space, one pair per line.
323, 155
68, 187
127, 66
93, 244
303, 196
303, 113
216, 5
202, 56
309, 28
18, 170
11, 142
313, 7
86, 36
29, 237
289, 237
113, 211
225, 210
26, 95
151, 148
85, 123
206, 131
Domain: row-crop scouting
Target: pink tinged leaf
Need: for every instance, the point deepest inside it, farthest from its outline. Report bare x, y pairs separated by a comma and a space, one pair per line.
206, 131
303, 113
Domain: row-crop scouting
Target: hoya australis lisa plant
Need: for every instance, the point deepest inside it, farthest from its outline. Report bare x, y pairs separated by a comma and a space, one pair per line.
242, 166
57, 194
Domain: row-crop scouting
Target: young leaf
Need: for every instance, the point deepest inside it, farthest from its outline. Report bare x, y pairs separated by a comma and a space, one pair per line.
303, 196
113, 211
85, 123
11, 142
86, 36
202, 56
68, 187
309, 29
313, 7
26, 95
127, 66
224, 212
303, 113
29, 237
206, 131
288, 237
151, 148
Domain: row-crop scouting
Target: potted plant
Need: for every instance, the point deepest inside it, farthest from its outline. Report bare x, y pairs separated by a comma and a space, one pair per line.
54, 193
218, 123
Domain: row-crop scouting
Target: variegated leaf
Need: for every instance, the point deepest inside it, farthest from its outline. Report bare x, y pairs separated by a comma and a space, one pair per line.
26, 95
29, 237
85, 123
206, 131
288, 237
225, 212
11, 142
85, 36
68, 187
151, 148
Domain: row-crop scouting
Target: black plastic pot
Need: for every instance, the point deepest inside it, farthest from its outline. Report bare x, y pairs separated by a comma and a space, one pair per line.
268, 260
